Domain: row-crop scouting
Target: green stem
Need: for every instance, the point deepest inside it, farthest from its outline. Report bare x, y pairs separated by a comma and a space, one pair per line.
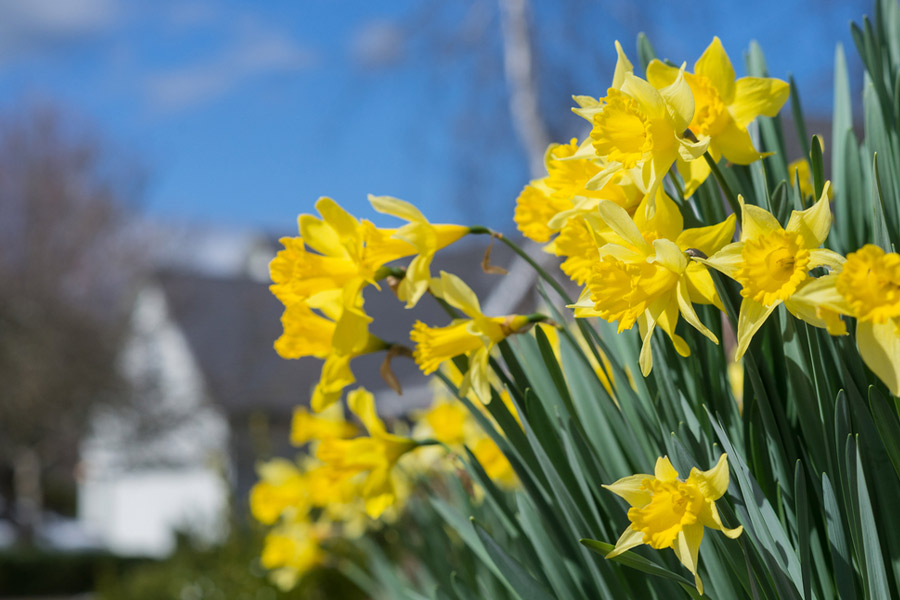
729, 194
385, 272
524, 255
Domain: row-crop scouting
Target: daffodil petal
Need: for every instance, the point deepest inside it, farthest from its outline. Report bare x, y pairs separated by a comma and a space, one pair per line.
598, 181
628, 540
756, 221
631, 489
709, 517
665, 220
687, 547
712, 483
336, 375
659, 74
666, 311
395, 207
669, 255
715, 65
343, 223
622, 224
709, 239
727, 260
822, 291
816, 315
735, 144
754, 96
623, 67
414, 285
679, 102
700, 286
879, 346
752, 316
694, 172
320, 236
664, 471
361, 403
690, 315
814, 223
645, 360
456, 293
689, 150
650, 99
823, 257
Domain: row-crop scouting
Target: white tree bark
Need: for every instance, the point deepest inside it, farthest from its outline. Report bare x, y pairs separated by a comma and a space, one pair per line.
521, 78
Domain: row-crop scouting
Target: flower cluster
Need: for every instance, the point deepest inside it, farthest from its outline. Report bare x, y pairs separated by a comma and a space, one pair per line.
620, 208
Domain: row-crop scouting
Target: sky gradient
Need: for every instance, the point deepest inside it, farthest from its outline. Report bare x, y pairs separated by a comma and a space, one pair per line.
243, 113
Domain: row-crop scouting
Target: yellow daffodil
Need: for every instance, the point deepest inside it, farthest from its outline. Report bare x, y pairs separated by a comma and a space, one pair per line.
868, 288
723, 107
425, 237
473, 337
667, 512
451, 423
771, 263
544, 205
281, 488
291, 550
329, 423
639, 127
870, 283
374, 455
448, 421
643, 275
348, 254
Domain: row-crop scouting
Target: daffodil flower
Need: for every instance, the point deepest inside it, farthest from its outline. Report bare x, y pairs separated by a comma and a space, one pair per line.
425, 237
291, 550
868, 288
723, 108
473, 337
771, 263
281, 488
643, 275
329, 423
544, 205
667, 512
348, 255
373, 456
639, 127
337, 375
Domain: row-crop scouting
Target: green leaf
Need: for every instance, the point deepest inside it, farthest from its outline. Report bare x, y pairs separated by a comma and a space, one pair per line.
875, 571
816, 165
515, 576
560, 578
630, 559
645, 51
802, 510
797, 112
880, 228
840, 553
888, 427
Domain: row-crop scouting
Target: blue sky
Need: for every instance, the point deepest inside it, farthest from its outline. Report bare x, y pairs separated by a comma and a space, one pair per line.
243, 113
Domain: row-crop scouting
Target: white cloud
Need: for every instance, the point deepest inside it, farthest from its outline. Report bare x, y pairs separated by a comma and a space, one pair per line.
378, 43
35, 26
255, 54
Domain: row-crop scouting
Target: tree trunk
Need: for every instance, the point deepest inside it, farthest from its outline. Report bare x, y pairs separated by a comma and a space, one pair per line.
28, 494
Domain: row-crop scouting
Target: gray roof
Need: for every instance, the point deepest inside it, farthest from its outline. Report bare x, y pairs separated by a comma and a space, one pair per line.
231, 323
